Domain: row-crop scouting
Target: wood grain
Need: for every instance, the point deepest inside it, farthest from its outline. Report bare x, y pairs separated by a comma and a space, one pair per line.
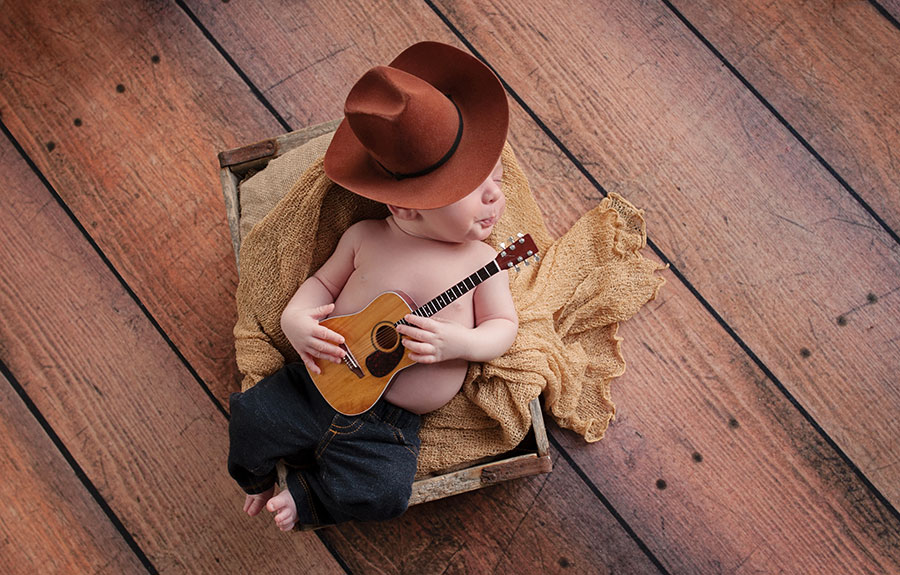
708, 452
146, 435
774, 244
542, 524
124, 111
436, 536
832, 70
49, 523
707, 461
564, 195
892, 7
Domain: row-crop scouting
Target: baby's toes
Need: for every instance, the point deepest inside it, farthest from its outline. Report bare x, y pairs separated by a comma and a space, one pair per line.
253, 504
285, 519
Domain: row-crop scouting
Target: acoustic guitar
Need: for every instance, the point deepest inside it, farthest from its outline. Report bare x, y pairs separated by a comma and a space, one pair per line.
373, 349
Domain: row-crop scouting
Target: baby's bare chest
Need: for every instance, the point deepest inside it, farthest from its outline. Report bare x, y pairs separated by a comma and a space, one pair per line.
421, 272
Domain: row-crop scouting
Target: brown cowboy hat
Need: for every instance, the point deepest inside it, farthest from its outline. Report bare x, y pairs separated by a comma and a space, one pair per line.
422, 132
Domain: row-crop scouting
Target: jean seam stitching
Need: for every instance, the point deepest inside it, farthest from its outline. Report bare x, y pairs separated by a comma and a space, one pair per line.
312, 507
324, 443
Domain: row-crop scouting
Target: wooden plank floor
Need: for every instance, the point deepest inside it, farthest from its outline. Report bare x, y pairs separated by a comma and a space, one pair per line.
757, 420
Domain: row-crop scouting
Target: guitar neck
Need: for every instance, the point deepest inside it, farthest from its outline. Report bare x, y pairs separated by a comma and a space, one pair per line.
456, 292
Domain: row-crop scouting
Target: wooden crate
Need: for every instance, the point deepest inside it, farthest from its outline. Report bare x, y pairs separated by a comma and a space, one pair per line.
531, 457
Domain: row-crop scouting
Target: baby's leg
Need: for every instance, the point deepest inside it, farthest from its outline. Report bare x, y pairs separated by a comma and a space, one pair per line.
366, 471
271, 421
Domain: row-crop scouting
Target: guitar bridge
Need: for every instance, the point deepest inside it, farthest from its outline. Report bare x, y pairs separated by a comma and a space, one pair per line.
351, 362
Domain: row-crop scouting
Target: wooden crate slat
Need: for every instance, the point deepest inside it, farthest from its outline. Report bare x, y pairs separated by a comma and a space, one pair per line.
477, 477
540, 524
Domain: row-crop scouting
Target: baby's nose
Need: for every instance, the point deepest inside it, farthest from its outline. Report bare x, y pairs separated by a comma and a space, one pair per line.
492, 192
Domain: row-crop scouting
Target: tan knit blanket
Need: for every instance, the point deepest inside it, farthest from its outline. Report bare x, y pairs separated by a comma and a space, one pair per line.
569, 306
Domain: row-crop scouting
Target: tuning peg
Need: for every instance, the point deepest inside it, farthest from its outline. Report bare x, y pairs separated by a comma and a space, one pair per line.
527, 262
537, 258
518, 269
502, 245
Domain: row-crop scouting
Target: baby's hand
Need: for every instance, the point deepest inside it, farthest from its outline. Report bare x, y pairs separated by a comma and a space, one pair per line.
432, 340
310, 339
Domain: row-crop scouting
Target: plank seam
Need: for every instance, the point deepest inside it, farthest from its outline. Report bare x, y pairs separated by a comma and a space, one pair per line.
606, 503
658, 251
287, 128
781, 119
146, 312
234, 66
883, 11
79, 472
109, 265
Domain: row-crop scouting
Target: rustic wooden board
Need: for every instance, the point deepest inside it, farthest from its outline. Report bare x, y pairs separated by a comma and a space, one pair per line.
542, 524
746, 480
146, 435
832, 72
892, 7
564, 196
124, 111
777, 247
49, 523
706, 451
305, 59
423, 547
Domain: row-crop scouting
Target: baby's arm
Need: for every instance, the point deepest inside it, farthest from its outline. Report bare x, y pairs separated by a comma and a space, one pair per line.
314, 300
431, 340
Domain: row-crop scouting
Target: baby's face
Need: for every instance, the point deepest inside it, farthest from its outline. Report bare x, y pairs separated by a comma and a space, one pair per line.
471, 218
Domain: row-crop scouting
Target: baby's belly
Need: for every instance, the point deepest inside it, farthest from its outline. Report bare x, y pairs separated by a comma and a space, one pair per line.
421, 388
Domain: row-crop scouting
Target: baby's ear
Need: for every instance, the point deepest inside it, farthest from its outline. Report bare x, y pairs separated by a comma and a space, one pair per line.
405, 214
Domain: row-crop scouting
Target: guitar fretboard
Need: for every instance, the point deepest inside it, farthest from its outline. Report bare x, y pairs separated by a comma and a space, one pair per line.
456, 292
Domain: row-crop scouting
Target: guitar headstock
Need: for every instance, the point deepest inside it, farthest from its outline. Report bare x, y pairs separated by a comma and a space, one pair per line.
515, 251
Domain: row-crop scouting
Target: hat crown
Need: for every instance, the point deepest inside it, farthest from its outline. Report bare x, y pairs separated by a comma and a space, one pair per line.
402, 121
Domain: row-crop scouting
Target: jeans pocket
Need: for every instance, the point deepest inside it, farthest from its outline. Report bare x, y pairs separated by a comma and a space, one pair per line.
343, 424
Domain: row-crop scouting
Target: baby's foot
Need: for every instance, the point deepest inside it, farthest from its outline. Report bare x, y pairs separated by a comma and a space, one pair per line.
253, 504
285, 510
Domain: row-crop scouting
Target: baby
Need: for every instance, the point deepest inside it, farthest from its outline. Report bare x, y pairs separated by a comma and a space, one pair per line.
424, 136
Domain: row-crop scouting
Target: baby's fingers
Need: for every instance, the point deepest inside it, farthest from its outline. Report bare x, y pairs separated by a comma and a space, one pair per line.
322, 311
414, 332
417, 346
423, 322
325, 334
324, 350
310, 363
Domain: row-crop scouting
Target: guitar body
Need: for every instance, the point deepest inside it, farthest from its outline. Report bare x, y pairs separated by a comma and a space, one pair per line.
373, 341
375, 350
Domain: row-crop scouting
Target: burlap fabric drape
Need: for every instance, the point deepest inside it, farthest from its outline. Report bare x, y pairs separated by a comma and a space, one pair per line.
569, 305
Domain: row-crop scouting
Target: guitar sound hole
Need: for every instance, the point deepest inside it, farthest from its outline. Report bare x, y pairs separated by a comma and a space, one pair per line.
386, 337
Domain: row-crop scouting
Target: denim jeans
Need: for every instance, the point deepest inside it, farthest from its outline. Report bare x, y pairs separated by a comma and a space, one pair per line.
339, 467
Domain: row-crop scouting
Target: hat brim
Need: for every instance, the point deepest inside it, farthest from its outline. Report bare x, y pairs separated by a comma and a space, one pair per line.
485, 113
